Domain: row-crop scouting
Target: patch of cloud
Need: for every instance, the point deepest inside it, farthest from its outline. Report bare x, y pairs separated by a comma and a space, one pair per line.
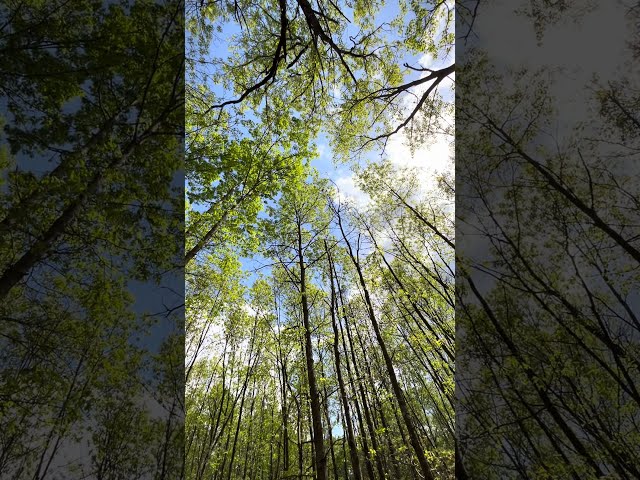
321, 148
426, 60
348, 190
249, 310
429, 159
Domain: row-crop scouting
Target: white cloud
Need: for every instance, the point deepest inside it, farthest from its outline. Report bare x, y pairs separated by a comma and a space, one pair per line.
430, 159
349, 191
321, 149
426, 60
252, 312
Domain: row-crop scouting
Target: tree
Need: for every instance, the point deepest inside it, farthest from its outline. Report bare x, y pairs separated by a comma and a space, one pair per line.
355, 375
543, 298
310, 57
91, 144
298, 223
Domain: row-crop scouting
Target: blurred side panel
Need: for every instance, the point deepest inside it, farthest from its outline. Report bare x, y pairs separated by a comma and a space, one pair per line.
548, 239
91, 239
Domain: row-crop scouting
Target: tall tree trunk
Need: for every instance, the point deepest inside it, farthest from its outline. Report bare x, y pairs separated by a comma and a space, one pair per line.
355, 379
205, 238
395, 384
285, 430
331, 449
68, 163
250, 369
248, 443
38, 250
320, 459
353, 451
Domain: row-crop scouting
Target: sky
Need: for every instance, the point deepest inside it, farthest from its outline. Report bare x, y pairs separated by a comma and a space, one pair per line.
429, 159
568, 48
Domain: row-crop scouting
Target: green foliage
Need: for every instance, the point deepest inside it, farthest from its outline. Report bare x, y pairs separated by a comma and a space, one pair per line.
543, 302
355, 60
92, 107
275, 304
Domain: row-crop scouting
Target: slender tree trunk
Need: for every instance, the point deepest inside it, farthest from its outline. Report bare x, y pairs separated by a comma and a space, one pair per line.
353, 451
356, 382
237, 433
534, 380
249, 432
15, 272
16, 212
206, 238
285, 434
299, 442
320, 459
344, 457
395, 384
331, 450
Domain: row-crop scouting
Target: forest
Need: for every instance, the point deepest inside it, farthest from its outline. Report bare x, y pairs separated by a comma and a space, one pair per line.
91, 222
319, 257
547, 224
235, 243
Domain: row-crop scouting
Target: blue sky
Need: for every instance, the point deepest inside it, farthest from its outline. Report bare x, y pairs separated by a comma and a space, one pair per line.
341, 174
428, 159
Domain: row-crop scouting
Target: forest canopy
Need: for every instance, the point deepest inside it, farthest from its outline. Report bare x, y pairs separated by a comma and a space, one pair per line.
319, 255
